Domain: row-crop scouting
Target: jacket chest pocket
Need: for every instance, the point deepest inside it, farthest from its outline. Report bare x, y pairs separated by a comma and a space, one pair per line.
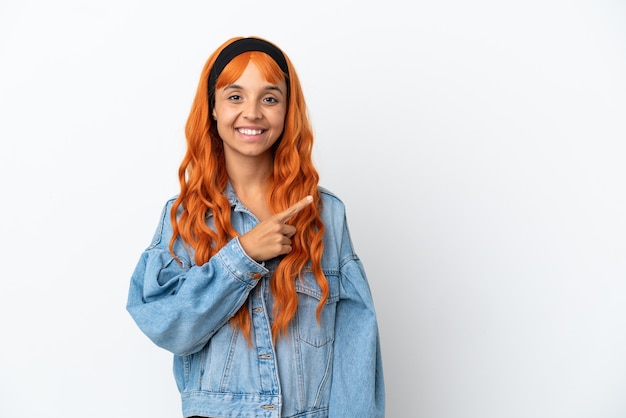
310, 331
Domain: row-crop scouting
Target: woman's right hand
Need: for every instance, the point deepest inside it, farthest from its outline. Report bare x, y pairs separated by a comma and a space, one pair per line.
272, 237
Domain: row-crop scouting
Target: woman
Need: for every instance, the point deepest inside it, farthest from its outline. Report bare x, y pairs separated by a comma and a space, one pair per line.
251, 280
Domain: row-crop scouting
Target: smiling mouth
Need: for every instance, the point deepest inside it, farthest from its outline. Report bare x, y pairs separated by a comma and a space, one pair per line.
250, 131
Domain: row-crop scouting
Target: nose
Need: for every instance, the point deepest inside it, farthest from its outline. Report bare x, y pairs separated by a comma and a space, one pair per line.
252, 110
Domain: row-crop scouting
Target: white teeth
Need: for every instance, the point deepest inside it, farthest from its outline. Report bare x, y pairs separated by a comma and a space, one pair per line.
251, 131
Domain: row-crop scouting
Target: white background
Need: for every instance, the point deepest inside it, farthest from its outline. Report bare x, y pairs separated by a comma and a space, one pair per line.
478, 146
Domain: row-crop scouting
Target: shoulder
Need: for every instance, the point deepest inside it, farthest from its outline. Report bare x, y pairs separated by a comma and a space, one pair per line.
167, 208
164, 228
333, 208
337, 242
330, 199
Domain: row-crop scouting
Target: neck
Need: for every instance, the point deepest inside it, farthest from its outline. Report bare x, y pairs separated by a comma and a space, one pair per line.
249, 176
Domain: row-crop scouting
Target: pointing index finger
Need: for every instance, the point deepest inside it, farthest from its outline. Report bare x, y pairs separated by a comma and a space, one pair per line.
288, 213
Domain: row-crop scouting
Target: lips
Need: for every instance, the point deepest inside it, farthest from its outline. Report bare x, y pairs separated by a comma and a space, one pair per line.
246, 131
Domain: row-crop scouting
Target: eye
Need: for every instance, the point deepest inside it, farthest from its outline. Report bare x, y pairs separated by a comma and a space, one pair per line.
234, 97
270, 100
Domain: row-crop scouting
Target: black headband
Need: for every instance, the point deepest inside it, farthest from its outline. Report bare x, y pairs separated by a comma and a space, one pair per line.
239, 47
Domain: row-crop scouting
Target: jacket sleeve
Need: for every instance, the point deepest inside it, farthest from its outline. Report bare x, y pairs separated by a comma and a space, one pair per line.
180, 305
357, 384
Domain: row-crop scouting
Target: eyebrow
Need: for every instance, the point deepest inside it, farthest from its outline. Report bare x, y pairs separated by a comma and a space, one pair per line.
267, 88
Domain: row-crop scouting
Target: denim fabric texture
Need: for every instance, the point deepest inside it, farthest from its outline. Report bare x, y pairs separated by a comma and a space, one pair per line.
332, 369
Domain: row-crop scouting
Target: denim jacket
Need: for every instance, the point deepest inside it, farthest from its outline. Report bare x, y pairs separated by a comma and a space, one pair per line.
333, 370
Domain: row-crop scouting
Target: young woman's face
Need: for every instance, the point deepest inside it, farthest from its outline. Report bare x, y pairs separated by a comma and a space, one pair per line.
250, 114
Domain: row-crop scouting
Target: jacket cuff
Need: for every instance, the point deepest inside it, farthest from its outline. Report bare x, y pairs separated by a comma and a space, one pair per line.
240, 265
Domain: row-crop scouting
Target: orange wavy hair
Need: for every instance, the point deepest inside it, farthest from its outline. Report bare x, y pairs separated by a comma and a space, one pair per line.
203, 178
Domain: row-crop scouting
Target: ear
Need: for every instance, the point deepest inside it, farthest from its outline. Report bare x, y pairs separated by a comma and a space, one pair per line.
214, 117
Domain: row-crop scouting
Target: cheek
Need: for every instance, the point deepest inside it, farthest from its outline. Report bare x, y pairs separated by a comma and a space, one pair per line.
222, 119
280, 125
279, 122
220, 125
